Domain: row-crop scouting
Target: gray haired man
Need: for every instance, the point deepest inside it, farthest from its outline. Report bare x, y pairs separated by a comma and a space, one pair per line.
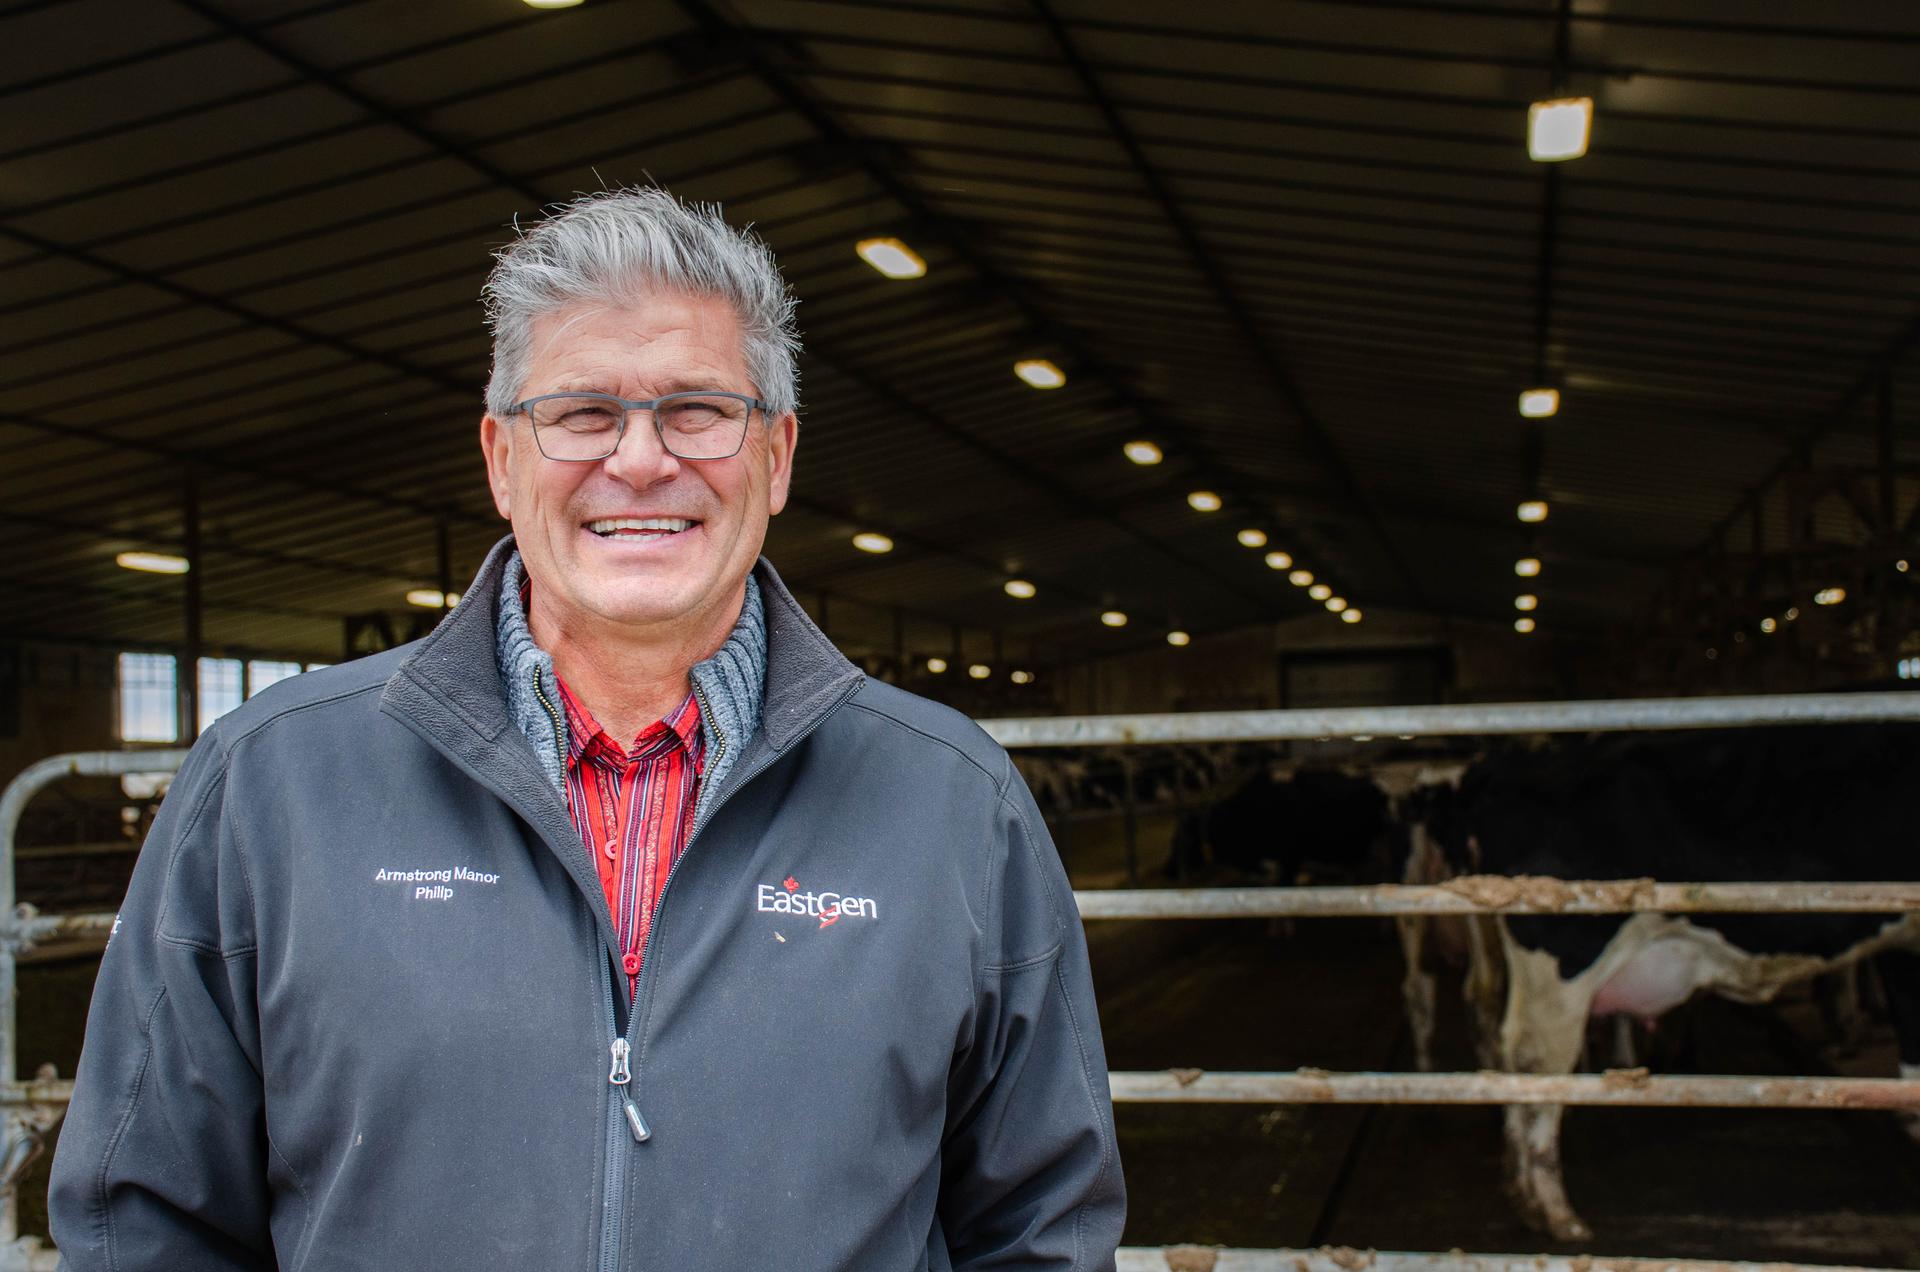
621, 922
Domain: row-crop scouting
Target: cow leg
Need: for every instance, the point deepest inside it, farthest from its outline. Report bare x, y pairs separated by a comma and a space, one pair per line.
1623, 1048
1544, 1028
1485, 987
1417, 987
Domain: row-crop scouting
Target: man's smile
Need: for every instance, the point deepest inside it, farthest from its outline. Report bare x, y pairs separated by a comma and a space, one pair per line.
640, 530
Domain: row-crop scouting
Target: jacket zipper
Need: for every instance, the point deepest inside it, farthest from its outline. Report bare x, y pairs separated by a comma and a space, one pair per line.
624, 1119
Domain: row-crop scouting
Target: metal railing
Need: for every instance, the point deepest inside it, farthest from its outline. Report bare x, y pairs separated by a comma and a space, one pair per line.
32, 1108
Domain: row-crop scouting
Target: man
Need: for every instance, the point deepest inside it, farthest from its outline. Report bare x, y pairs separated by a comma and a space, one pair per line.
621, 922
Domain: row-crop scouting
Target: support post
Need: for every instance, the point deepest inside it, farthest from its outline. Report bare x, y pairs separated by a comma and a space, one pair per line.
188, 669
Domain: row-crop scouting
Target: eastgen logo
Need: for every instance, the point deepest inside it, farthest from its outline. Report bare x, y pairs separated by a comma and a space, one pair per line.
828, 907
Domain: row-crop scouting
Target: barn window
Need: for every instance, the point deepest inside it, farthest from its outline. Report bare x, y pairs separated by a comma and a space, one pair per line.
147, 689
261, 673
220, 688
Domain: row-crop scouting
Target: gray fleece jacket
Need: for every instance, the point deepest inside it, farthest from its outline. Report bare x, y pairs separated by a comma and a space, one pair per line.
359, 1012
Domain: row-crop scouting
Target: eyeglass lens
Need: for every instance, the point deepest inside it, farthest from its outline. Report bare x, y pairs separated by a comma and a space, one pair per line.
691, 425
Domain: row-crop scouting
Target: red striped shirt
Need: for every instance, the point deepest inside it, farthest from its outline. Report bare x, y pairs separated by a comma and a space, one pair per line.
634, 808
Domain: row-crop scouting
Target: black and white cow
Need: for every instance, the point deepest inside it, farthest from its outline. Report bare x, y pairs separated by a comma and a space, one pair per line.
1813, 803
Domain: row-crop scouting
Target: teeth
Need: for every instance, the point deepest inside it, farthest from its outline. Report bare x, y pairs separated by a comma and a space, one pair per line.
672, 525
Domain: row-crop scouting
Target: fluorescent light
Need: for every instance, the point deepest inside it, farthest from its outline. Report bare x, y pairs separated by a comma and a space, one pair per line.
1040, 373
871, 541
1278, 560
1252, 538
1022, 677
1178, 639
1526, 601
1830, 596
1558, 129
1319, 591
1203, 501
936, 665
891, 257
1020, 589
1538, 404
1300, 578
1143, 453
1525, 625
979, 671
1532, 510
1527, 567
1114, 618
427, 598
1350, 616
152, 562
1336, 603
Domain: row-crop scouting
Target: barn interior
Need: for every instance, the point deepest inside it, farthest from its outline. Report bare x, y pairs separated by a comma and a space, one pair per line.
1219, 357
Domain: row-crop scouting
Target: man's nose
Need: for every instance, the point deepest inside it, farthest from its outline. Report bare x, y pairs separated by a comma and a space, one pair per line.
640, 459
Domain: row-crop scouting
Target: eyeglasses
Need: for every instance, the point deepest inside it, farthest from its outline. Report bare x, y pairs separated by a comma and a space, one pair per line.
584, 427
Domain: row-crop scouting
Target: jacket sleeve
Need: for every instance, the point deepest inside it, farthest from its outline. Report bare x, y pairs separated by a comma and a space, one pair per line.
1031, 1171
161, 1161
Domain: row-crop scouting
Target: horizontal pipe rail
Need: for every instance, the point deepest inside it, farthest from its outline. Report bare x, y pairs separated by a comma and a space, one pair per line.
1610, 716
1500, 894
1616, 1088
1347, 1259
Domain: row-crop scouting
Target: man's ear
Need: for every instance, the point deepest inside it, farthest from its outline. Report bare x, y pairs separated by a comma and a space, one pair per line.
782, 438
496, 443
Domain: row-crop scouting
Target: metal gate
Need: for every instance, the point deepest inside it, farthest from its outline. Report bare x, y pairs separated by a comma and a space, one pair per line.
33, 1107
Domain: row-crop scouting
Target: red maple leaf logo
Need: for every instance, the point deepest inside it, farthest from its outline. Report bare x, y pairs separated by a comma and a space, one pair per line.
830, 917
790, 883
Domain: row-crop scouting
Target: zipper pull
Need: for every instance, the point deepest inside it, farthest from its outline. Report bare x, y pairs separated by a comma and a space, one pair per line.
619, 1074
638, 1124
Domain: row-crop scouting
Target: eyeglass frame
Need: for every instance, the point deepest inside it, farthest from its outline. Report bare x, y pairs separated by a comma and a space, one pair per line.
652, 407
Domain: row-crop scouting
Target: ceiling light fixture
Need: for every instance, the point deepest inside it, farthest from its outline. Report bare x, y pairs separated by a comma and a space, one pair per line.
1022, 677
1532, 510
1020, 589
1538, 404
1178, 639
936, 665
152, 562
1527, 567
891, 257
552, 4
1523, 625
1114, 618
1278, 560
1558, 129
1830, 596
427, 598
1143, 453
1350, 616
1203, 501
1336, 603
1526, 601
1769, 625
1251, 538
1319, 591
1300, 578
979, 671
872, 541
1039, 373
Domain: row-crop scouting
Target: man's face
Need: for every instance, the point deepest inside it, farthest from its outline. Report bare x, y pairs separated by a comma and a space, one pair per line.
586, 578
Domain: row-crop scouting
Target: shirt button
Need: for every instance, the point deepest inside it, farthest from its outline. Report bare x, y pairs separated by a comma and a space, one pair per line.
632, 963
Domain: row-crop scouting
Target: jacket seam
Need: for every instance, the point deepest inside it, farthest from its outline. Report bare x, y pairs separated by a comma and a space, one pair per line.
211, 951
998, 785
192, 822
1026, 964
107, 1238
298, 707
1040, 866
1093, 1101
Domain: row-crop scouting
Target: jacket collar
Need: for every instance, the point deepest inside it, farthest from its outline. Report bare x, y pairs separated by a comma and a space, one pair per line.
457, 667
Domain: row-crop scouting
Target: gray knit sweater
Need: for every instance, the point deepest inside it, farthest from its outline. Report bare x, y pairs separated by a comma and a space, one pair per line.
732, 684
